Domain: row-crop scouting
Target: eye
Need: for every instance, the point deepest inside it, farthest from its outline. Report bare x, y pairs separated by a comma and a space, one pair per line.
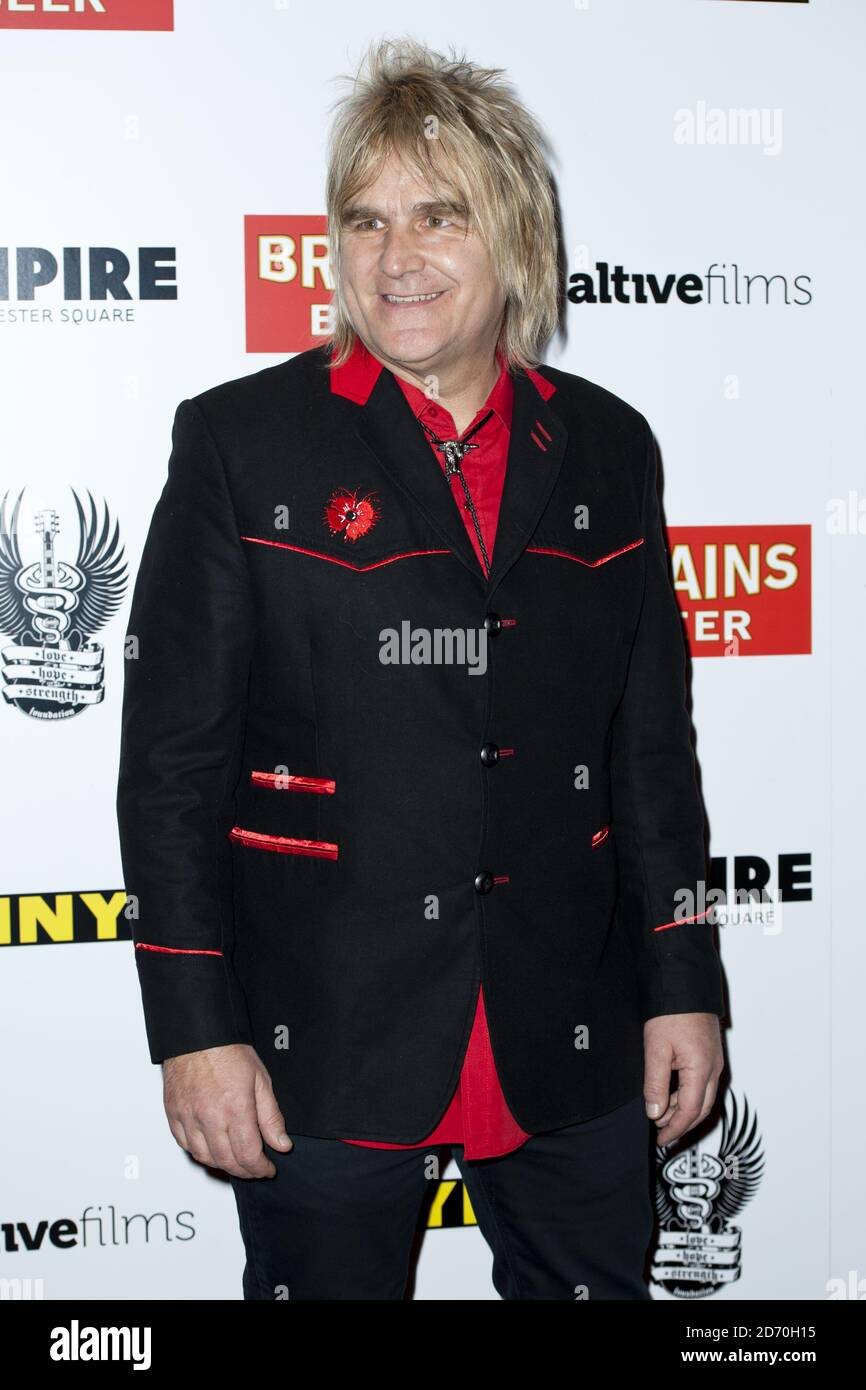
434, 217
363, 225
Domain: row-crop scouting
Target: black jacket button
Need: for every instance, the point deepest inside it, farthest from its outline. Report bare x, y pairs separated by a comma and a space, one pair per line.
492, 623
490, 754
483, 881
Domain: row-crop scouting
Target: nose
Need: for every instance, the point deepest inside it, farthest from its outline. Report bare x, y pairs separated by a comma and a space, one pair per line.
401, 253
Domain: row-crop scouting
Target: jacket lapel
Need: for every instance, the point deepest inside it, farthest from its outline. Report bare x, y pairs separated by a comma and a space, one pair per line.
535, 452
389, 427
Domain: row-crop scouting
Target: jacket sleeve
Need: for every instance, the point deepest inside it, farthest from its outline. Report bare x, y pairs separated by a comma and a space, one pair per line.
657, 816
186, 673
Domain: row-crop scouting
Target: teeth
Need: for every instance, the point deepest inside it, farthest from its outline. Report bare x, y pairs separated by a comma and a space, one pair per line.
411, 298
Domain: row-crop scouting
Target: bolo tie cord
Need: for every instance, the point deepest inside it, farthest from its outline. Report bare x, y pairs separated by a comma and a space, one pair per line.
454, 449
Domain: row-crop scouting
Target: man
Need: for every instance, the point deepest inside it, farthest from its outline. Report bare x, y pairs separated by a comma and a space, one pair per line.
407, 797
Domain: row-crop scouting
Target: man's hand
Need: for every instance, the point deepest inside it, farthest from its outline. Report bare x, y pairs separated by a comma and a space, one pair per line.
691, 1044
220, 1105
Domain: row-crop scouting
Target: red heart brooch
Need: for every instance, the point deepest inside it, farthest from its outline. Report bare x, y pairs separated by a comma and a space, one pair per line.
351, 514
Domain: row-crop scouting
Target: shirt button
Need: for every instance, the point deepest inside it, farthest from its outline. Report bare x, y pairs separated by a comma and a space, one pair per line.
483, 881
490, 754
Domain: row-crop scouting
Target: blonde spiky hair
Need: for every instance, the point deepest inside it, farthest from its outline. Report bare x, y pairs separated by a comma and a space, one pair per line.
488, 153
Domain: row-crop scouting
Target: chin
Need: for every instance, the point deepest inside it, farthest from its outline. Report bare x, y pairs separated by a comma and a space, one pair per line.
409, 347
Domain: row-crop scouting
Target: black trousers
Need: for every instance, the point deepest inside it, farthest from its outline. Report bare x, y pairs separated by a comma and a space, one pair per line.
567, 1216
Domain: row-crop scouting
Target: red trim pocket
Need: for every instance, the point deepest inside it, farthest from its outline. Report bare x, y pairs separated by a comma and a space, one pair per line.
287, 782
282, 844
591, 564
335, 560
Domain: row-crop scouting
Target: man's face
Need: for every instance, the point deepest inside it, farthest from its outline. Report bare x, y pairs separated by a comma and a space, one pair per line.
399, 243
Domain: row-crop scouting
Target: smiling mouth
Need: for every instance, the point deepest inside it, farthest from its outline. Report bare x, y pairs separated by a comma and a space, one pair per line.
412, 298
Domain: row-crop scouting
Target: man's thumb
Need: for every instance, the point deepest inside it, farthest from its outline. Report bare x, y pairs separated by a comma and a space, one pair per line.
657, 1086
270, 1119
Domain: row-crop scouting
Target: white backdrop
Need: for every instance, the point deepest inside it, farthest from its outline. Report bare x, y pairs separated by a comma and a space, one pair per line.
170, 139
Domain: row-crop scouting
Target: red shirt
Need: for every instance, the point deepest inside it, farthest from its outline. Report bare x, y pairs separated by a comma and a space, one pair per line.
478, 1116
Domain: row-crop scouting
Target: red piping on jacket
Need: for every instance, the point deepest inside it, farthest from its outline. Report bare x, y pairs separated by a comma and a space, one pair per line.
347, 564
543, 430
566, 555
537, 441
284, 781
697, 917
318, 849
174, 950
600, 835
502, 878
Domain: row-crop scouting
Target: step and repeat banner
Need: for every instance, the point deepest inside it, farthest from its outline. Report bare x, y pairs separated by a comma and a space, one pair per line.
162, 230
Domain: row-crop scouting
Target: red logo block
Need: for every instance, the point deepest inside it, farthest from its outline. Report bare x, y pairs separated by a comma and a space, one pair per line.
743, 590
150, 15
288, 282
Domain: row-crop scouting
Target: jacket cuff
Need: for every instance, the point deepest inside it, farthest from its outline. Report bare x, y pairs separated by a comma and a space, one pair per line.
684, 974
191, 1001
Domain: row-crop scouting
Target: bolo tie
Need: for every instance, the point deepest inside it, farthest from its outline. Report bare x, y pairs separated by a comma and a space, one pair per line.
454, 449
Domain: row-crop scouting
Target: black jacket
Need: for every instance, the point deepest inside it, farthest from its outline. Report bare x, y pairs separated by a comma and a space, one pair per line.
427, 863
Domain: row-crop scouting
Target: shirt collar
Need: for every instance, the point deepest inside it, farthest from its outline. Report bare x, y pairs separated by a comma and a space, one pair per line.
500, 399
358, 375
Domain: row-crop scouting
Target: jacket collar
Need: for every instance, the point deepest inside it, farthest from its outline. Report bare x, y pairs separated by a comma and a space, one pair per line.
536, 448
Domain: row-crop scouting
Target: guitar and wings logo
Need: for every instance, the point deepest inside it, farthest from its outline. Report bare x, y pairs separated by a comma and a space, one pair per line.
698, 1195
52, 607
